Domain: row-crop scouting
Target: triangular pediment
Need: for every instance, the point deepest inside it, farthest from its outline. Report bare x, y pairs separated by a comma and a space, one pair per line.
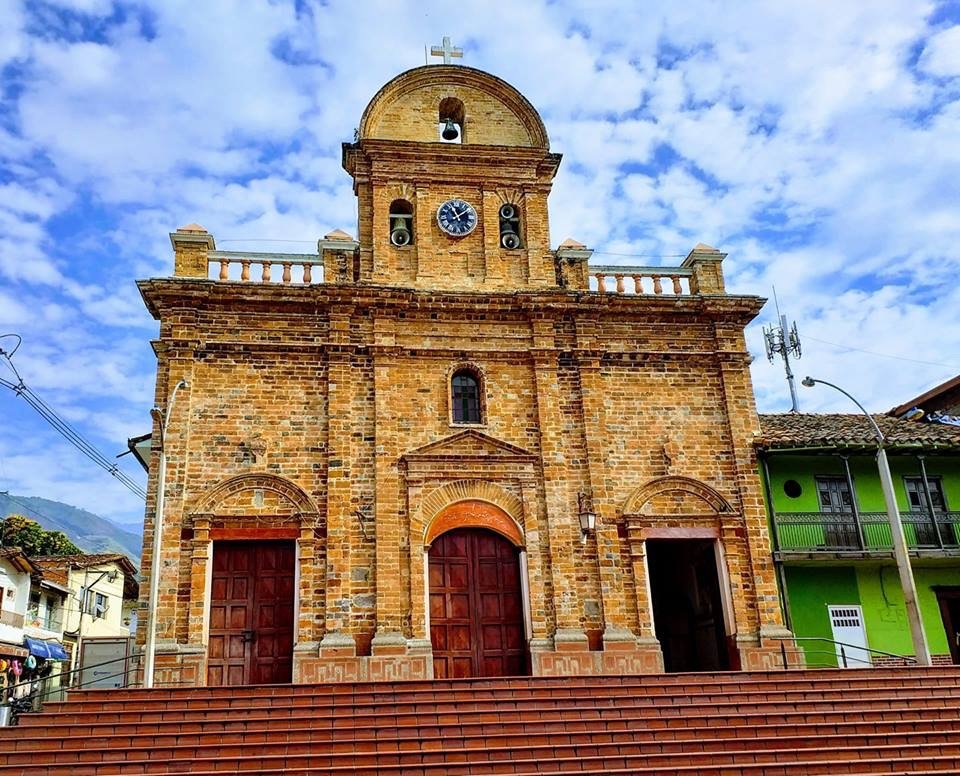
469, 444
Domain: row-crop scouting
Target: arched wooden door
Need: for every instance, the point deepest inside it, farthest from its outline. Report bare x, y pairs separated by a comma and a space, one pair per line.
476, 605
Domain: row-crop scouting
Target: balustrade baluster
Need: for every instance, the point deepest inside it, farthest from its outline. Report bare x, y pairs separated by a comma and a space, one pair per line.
601, 283
266, 271
224, 265
638, 284
619, 278
286, 272
245, 272
307, 278
677, 288
657, 288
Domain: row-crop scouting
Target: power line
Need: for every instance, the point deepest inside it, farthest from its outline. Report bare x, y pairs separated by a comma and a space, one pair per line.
643, 255
65, 429
882, 355
15, 500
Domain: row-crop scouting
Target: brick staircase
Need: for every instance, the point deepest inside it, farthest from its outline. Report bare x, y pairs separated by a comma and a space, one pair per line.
901, 721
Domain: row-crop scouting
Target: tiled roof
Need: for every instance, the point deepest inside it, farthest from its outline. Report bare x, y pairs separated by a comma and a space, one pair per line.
797, 429
66, 562
18, 558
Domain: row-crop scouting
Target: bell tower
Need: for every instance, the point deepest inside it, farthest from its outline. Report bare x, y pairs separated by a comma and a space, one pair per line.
452, 169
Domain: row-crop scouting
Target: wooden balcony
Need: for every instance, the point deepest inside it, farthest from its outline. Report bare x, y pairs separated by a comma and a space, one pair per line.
863, 532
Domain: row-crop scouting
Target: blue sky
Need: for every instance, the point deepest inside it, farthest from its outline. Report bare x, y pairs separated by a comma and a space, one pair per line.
818, 143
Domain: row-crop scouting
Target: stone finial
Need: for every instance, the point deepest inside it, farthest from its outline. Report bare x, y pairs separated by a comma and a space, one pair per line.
572, 258
337, 249
705, 262
191, 247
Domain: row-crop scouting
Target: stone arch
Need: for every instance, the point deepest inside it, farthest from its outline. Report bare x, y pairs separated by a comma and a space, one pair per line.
689, 495
296, 499
480, 492
439, 82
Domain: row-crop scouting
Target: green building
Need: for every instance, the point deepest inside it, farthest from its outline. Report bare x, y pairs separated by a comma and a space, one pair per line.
831, 537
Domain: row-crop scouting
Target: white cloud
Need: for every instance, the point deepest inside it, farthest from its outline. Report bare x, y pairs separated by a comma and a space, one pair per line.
798, 136
941, 55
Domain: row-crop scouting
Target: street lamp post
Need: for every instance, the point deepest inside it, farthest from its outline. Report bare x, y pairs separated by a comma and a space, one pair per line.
907, 582
150, 648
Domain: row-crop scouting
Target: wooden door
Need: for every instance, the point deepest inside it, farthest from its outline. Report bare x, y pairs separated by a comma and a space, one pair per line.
476, 606
251, 613
949, 600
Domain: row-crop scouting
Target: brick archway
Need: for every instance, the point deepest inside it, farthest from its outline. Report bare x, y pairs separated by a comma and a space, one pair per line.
473, 513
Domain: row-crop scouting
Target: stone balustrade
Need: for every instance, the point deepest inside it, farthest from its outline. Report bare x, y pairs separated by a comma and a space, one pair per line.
656, 281
246, 267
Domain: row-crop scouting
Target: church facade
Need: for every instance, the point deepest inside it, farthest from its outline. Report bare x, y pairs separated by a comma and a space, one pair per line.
445, 448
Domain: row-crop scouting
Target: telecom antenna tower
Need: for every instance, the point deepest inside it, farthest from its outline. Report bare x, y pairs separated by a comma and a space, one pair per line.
784, 342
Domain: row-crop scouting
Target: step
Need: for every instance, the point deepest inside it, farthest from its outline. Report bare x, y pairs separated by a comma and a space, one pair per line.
472, 735
657, 683
481, 749
345, 727
323, 696
898, 766
575, 759
492, 710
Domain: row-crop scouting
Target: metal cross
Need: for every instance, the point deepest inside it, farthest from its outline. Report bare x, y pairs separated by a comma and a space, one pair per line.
446, 51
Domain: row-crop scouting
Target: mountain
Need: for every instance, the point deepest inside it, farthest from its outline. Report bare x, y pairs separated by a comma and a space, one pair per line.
88, 531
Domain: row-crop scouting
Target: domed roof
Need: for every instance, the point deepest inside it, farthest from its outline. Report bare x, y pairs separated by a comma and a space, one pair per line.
494, 113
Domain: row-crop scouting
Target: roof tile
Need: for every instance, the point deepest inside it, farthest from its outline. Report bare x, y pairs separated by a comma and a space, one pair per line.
796, 429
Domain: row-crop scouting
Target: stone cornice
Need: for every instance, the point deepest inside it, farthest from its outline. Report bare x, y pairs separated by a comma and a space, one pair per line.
162, 294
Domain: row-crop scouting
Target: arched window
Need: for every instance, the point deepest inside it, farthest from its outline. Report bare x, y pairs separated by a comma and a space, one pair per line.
465, 396
401, 223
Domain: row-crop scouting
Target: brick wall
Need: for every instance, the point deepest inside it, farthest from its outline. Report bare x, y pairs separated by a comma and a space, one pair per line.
323, 412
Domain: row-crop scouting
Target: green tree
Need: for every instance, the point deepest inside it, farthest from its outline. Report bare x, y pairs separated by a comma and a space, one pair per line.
28, 535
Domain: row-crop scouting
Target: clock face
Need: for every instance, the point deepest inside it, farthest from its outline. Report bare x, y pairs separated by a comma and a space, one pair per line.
456, 217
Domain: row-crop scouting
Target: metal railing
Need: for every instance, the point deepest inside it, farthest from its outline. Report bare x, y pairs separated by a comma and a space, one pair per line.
39, 690
48, 620
843, 653
864, 531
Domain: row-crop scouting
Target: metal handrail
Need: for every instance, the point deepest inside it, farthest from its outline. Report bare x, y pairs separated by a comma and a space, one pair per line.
841, 644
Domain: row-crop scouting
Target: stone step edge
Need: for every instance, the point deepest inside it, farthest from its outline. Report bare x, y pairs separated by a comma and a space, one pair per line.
85, 716
916, 727
619, 691
388, 767
660, 680
708, 746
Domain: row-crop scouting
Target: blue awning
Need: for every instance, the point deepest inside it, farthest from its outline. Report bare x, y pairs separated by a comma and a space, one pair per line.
50, 650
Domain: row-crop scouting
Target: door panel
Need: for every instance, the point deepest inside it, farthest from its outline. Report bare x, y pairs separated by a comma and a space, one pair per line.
251, 613
476, 609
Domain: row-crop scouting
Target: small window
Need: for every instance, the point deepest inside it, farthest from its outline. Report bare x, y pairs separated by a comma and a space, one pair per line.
401, 223
834, 494
918, 499
97, 605
792, 489
465, 397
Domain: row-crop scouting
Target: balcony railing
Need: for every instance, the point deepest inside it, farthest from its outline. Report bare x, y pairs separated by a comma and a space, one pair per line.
650, 281
302, 269
839, 532
46, 620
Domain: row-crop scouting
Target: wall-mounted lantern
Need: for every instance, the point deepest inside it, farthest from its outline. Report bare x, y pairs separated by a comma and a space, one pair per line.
588, 518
